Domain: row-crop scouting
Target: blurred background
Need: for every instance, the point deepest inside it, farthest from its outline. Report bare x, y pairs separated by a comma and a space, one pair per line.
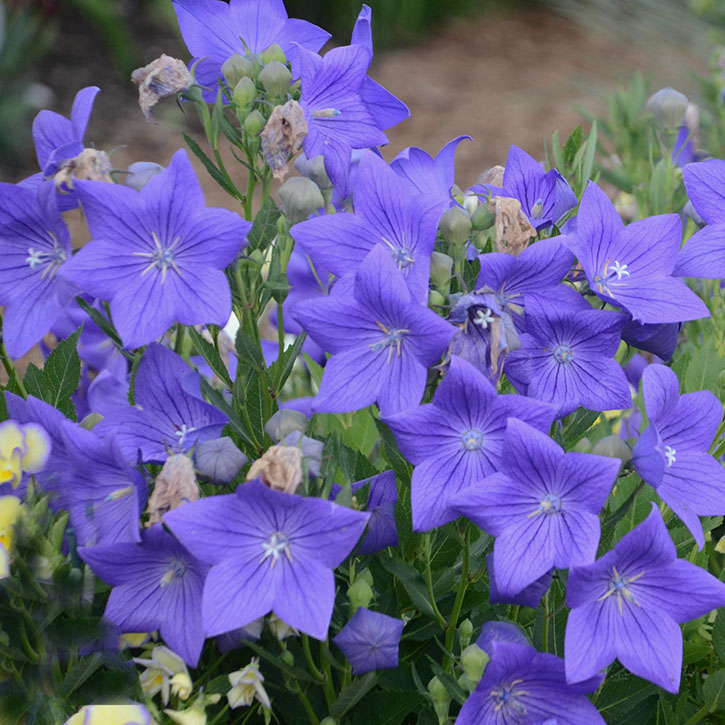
503, 71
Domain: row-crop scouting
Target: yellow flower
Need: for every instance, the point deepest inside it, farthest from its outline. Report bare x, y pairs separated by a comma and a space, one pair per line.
131, 714
166, 673
9, 512
23, 448
246, 685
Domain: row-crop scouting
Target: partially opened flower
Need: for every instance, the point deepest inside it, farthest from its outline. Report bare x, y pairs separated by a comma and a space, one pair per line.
164, 671
628, 605
270, 551
9, 513
370, 641
247, 686
23, 449
672, 453
131, 714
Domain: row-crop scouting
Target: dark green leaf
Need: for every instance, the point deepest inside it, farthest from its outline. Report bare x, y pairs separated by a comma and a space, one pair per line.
220, 402
249, 351
108, 329
713, 690
132, 377
577, 425
211, 167
718, 635
315, 369
411, 580
62, 373
211, 355
703, 369
571, 146
34, 381
281, 368
391, 453
353, 693
456, 692
79, 673
264, 229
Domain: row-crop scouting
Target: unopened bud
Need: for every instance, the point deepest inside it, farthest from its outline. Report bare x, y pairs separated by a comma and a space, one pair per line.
140, 173
328, 721
435, 298
465, 632
236, 68
274, 52
483, 218
300, 198
314, 169
456, 225
613, 447
360, 594
219, 460
470, 203
244, 93
438, 692
583, 445
668, 106
276, 78
288, 658
720, 546
441, 269
254, 123
474, 661
366, 575
91, 421
284, 422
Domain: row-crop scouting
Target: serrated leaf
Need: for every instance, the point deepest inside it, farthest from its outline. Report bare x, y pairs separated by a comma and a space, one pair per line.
220, 402
412, 582
281, 368
353, 693
713, 690
391, 453
211, 356
108, 329
62, 373
79, 673
264, 229
718, 635
703, 369
249, 352
577, 426
34, 381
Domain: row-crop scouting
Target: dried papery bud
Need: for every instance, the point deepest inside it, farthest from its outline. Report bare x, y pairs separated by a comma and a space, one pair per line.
175, 485
492, 176
668, 106
235, 68
90, 164
244, 93
513, 229
219, 460
283, 136
300, 197
140, 173
314, 169
456, 225
161, 78
284, 422
280, 468
276, 78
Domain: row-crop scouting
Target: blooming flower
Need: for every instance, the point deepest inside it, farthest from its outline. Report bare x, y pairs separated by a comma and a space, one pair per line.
382, 341
627, 605
9, 512
370, 641
167, 417
458, 439
493, 631
34, 245
158, 249
247, 685
270, 551
23, 449
671, 454
541, 506
566, 357
157, 585
166, 673
632, 266
131, 714
529, 596
521, 685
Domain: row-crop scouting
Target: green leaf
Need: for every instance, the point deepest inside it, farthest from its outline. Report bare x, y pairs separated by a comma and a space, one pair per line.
703, 369
211, 356
353, 693
108, 329
577, 425
571, 146
264, 229
256, 403
220, 402
718, 635
588, 163
62, 373
211, 167
79, 673
132, 377
281, 368
412, 582
249, 351
713, 690
391, 453
667, 711
34, 381
456, 692
315, 369
621, 693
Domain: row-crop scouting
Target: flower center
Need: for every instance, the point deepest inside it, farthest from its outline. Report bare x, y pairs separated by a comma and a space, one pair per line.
393, 337
177, 569
563, 354
274, 547
550, 504
611, 276
537, 209
181, 434
472, 439
507, 697
670, 455
484, 317
402, 255
50, 260
619, 584
161, 258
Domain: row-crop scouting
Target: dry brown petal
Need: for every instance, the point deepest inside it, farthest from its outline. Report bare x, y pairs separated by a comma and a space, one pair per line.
280, 468
492, 176
176, 484
513, 229
282, 136
90, 164
163, 77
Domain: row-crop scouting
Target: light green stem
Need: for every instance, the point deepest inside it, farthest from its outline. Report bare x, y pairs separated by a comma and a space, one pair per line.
458, 604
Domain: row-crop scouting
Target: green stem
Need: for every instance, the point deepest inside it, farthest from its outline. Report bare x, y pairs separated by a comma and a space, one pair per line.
210, 670
311, 666
219, 716
179, 341
546, 622
699, 715
328, 685
429, 582
11, 371
306, 704
280, 332
249, 197
451, 631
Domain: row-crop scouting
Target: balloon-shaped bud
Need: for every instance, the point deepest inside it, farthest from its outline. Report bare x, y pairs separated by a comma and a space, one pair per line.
668, 106
276, 78
235, 68
456, 225
300, 198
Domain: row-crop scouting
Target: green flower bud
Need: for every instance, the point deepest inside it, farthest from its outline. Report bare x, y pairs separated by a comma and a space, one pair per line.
284, 422
288, 658
438, 692
274, 52
244, 93
456, 225
583, 445
300, 198
435, 298
257, 255
465, 632
668, 106
276, 78
328, 721
470, 203
441, 269
254, 123
483, 218
236, 68
360, 594
613, 447
474, 661
366, 576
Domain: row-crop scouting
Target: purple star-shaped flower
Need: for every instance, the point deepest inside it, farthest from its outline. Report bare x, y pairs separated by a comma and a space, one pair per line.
529, 596
370, 641
627, 605
545, 196
338, 118
387, 214
566, 357
158, 249
167, 417
493, 631
542, 507
382, 342
34, 245
214, 31
426, 174
704, 253
458, 439
105, 495
382, 497
157, 585
270, 551
671, 454
632, 266
521, 685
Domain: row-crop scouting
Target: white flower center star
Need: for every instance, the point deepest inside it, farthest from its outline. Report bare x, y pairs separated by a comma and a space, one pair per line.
484, 319
670, 455
162, 257
276, 544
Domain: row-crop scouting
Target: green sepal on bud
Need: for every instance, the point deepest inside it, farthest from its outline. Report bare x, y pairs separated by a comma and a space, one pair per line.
465, 632
438, 691
254, 123
456, 225
300, 197
483, 218
474, 661
235, 68
288, 658
360, 594
435, 299
276, 78
441, 270
613, 447
244, 93
365, 575
273, 52
668, 106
